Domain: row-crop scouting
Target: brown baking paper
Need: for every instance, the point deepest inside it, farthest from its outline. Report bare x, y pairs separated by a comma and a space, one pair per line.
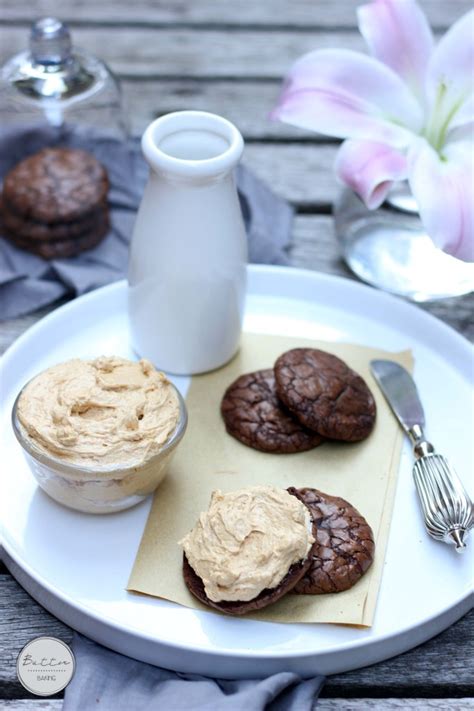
208, 458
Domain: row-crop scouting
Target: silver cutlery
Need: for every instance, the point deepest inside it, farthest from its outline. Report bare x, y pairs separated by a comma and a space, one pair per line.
447, 509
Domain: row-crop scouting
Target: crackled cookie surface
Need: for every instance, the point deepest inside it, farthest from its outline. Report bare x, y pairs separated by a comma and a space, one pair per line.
254, 415
344, 548
56, 184
325, 394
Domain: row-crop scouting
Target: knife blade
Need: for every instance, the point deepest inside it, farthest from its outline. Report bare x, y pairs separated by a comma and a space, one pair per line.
400, 392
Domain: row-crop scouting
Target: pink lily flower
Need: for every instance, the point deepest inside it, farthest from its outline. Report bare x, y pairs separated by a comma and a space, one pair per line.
406, 112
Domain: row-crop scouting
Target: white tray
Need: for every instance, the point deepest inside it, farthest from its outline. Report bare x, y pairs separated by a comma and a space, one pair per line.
77, 565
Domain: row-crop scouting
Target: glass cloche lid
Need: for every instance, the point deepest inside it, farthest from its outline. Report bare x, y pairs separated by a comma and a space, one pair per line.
54, 83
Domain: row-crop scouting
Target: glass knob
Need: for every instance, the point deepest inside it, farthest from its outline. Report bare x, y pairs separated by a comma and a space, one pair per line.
50, 42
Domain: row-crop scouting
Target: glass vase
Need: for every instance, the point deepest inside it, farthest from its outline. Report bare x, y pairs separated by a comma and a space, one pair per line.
390, 249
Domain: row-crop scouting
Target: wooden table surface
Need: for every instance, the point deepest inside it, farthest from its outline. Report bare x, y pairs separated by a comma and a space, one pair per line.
229, 57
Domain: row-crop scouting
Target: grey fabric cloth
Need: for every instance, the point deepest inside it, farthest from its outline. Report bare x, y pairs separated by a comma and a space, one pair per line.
107, 681
28, 282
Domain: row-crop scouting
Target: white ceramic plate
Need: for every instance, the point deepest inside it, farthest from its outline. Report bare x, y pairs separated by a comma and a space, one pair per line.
77, 565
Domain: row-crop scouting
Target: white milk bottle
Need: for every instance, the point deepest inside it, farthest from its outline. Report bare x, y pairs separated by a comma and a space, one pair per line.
187, 269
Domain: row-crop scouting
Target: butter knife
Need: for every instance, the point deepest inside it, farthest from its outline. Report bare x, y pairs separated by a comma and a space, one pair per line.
447, 509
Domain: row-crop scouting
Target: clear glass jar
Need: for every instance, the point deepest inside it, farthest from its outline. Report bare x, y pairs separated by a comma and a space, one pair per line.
55, 86
98, 490
390, 249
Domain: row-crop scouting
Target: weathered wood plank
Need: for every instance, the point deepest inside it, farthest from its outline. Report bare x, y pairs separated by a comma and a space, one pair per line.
445, 660
11, 329
156, 44
394, 704
297, 13
247, 104
302, 174
190, 53
421, 672
457, 313
322, 705
31, 704
21, 619
313, 246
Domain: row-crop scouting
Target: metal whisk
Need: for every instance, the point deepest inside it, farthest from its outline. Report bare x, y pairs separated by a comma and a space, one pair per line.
447, 509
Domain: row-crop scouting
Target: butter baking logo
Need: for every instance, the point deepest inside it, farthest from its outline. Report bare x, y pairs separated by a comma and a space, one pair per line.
45, 666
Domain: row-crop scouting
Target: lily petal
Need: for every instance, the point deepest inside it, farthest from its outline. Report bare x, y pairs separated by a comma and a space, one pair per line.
464, 132
444, 190
398, 34
370, 168
450, 77
349, 95
465, 114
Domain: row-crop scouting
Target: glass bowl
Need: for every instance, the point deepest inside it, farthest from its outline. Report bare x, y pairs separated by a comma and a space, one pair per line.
98, 490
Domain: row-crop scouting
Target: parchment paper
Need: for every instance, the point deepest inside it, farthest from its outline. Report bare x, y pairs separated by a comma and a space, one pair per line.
208, 458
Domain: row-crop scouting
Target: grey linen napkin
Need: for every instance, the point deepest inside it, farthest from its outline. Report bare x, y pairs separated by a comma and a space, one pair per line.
108, 681
28, 282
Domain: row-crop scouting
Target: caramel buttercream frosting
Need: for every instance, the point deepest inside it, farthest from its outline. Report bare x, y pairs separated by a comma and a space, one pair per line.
247, 541
103, 413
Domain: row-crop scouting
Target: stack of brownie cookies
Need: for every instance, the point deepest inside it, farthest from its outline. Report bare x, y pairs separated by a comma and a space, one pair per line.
54, 203
307, 398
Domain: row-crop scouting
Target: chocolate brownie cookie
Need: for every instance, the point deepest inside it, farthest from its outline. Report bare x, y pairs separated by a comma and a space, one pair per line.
63, 248
325, 394
344, 547
56, 185
27, 229
253, 414
266, 597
